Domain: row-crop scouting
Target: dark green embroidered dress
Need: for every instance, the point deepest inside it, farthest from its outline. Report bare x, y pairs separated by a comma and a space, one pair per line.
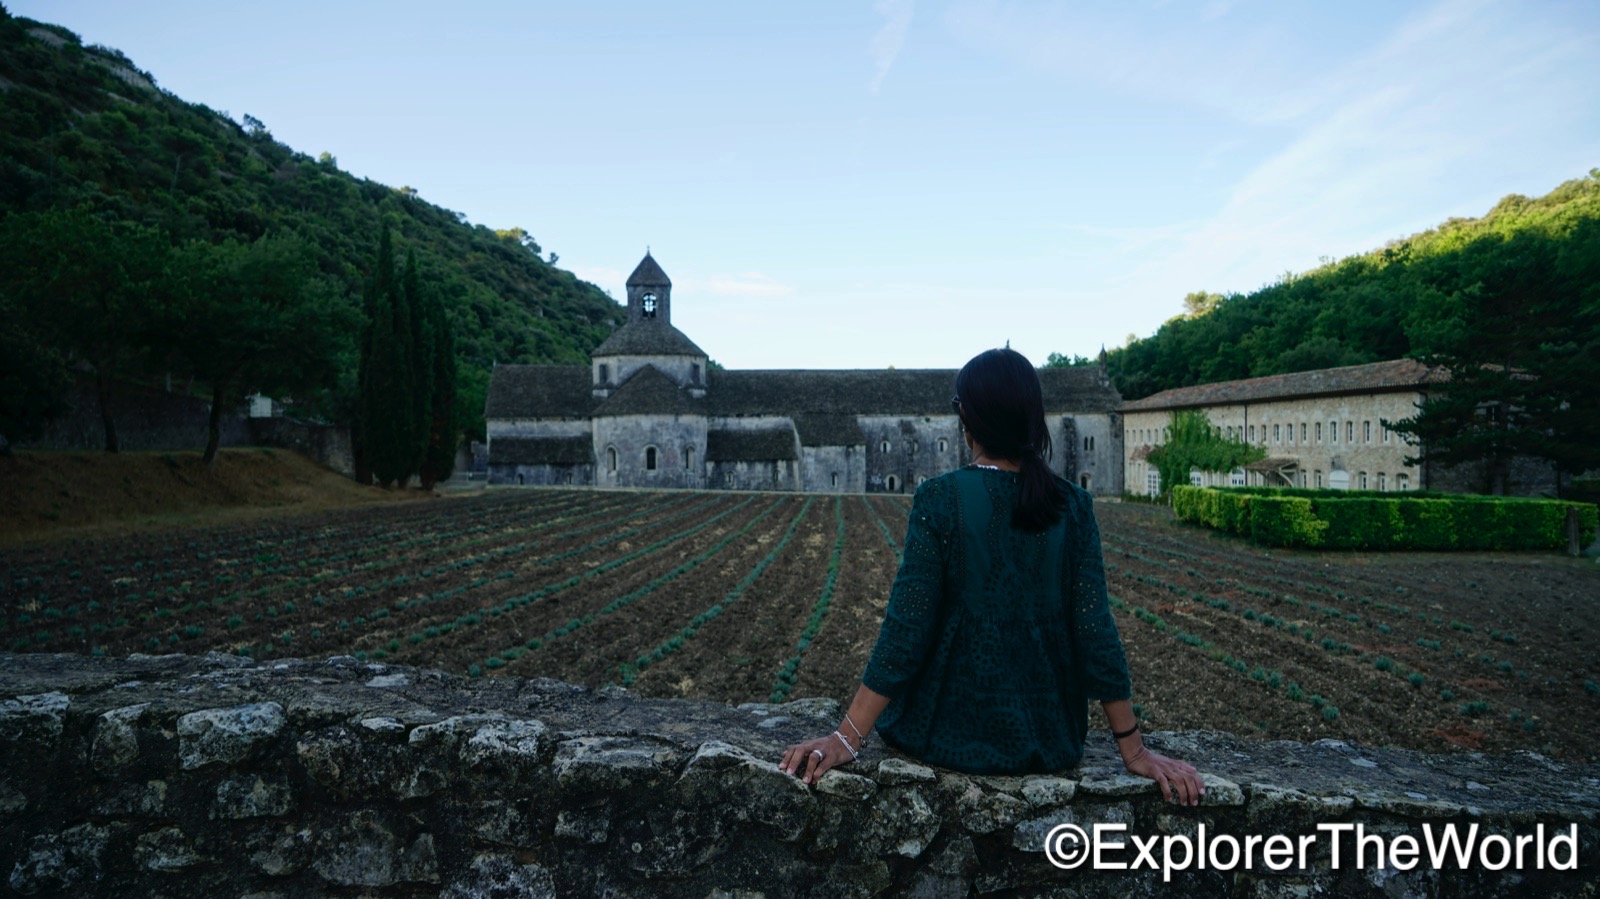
995, 639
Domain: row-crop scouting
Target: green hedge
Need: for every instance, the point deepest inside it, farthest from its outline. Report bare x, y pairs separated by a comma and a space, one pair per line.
1279, 516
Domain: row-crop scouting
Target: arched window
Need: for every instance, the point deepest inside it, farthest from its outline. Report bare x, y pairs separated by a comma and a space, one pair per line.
892, 484
519, 480
944, 445
649, 458
884, 446
611, 458
647, 306
688, 458
1083, 481
835, 481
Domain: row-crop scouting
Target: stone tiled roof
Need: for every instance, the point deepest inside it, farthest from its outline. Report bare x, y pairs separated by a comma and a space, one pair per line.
539, 391
750, 446
648, 273
824, 403
541, 450
1375, 377
650, 392
647, 337
818, 429
885, 392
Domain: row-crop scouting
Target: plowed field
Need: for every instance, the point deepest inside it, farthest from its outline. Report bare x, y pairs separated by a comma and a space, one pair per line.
742, 597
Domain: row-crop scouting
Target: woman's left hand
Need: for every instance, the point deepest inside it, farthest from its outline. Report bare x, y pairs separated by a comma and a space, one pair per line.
810, 759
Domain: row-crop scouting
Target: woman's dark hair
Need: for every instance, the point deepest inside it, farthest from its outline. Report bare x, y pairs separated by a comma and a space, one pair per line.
1003, 407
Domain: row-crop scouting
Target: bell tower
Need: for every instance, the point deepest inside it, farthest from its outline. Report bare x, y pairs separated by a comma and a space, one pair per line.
649, 293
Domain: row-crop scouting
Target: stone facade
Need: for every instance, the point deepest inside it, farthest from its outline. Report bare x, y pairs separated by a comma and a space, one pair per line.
1320, 429
219, 776
655, 415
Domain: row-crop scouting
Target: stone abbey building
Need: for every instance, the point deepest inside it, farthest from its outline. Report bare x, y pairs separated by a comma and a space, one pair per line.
648, 412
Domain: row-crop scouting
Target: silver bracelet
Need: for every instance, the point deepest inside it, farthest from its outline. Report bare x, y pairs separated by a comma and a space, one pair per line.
859, 735
847, 747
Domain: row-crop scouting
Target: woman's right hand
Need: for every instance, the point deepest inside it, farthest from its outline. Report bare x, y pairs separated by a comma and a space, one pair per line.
1178, 781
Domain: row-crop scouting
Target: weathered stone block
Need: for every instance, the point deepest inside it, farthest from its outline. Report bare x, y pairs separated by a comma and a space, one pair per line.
252, 796
226, 735
116, 738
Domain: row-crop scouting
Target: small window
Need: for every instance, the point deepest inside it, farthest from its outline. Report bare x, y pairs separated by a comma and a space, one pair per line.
774, 471
1236, 478
1402, 482
519, 480
1277, 433
892, 484
605, 373
1083, 481
650, 458
688, 458
1319, 432
1091, 444
834, 479
1333, 432
1252, 433
1302, 432
647, 306
944, 446
1350, 431
1386, 433
1366, 432
1319, 479
1383, 482
884, 447
1195, 478
611, 458
694, 373
1363, 480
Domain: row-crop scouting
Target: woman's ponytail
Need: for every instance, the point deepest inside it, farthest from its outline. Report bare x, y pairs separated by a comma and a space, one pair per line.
1040, 502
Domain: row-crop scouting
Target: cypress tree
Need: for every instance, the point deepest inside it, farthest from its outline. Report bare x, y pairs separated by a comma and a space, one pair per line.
389, 421
420, 365
368, 405
440, 459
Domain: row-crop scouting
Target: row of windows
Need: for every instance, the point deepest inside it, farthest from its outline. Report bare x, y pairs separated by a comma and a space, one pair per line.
1339, 479
1308, 433
652, 458
887, 446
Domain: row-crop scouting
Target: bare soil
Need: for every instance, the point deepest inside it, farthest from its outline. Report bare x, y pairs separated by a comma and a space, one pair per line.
701, 594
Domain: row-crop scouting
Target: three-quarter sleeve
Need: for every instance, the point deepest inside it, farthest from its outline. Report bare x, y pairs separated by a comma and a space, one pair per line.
913, 613
1096, 644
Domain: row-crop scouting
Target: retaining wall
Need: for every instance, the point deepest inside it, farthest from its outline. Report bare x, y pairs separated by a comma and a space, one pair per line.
217, 776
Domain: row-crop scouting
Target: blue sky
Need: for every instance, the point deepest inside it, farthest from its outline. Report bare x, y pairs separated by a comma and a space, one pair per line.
903, 182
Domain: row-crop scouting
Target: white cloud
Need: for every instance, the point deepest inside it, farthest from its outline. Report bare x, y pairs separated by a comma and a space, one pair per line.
886, 44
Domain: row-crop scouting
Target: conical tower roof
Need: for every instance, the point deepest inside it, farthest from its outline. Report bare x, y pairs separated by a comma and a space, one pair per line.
648, 274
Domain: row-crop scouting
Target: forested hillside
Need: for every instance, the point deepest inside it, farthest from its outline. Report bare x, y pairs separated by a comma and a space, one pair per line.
1401, 300
83, 127
1507, 305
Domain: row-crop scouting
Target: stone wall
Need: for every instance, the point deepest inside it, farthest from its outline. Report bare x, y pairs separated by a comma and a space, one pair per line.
145, 418
216, 776
327, 445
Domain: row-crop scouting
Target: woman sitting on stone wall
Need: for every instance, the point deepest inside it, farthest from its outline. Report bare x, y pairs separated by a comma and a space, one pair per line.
998, 630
